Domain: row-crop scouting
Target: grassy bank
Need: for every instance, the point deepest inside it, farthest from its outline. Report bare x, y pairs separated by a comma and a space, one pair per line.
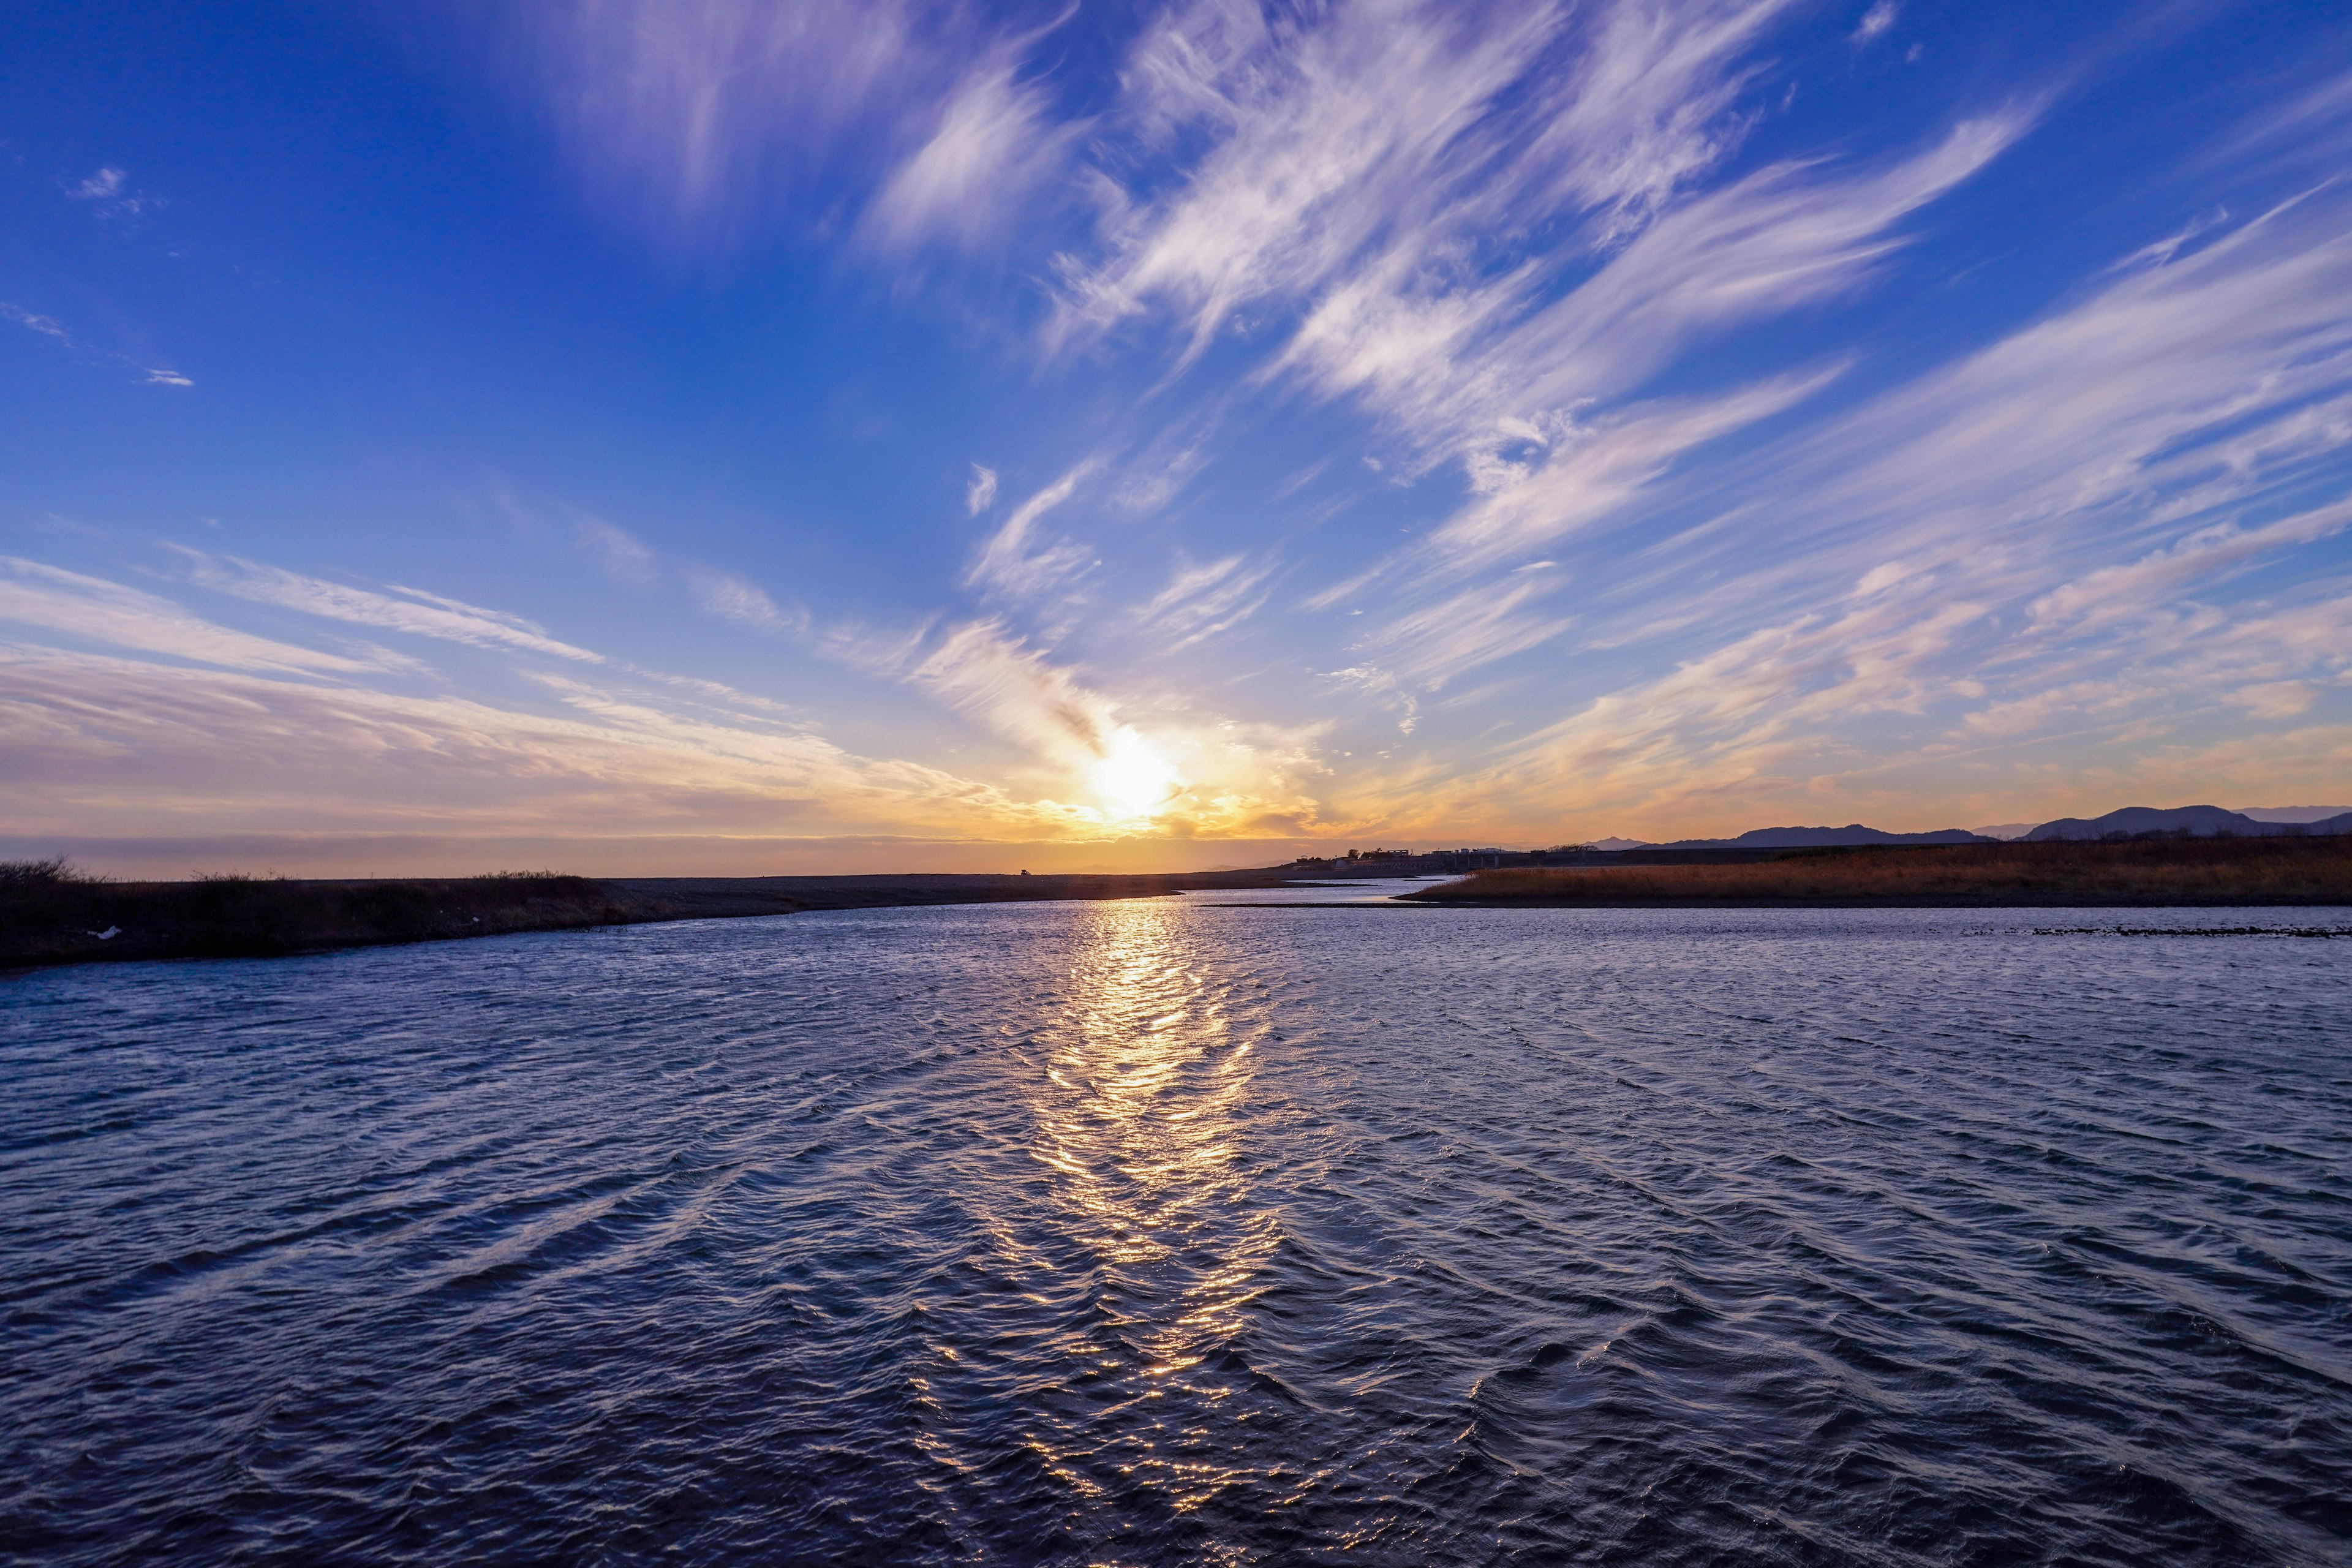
2155, 871
50, 915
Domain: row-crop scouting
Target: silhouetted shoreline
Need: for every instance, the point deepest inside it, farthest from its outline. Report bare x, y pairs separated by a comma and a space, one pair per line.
49, 916
2056, 873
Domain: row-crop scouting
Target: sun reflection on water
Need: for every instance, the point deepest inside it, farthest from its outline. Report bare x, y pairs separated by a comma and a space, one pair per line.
1139, 1115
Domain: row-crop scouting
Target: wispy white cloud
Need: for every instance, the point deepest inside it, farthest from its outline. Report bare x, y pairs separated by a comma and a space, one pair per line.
1650, 105
2275, 698
112, 616
1766, 244
408, 610
1159, 474
1015, 562
2308, 133
51, 327
1538, 483
712, 120
1324, 136
2071, 506
108, 191
983, 669
1361, 164
121, 705
733, 598
997, 142
980, 494
1367, 157
1385, 687
1435, 641
624, 557
2176, 398
1764, 702
621, 555
2205, 559
701, 114
1202, 601
176, 748
48, 326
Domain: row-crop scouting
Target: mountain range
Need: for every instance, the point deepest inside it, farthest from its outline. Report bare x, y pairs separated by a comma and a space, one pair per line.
2198, 821
1827, 837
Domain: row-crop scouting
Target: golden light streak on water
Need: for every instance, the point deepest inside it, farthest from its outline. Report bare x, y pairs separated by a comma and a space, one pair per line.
1147, 1066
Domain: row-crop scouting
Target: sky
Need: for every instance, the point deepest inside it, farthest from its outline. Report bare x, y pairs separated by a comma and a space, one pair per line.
708, 436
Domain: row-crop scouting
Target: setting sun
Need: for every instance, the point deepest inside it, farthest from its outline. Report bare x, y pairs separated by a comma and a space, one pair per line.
1132, 779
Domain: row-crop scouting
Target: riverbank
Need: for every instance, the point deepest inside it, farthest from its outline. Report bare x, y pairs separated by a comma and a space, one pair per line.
2144, 873
48, 915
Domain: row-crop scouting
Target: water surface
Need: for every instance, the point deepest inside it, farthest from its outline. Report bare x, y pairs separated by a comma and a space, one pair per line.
1158, 1232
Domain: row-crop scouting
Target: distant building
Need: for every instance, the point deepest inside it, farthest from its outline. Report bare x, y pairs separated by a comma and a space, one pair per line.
1384, 862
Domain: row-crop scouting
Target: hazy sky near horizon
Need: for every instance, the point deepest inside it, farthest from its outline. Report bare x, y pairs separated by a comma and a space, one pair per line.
808, 436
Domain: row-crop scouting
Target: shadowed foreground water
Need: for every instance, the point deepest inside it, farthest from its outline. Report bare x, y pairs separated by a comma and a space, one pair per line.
1148, 1233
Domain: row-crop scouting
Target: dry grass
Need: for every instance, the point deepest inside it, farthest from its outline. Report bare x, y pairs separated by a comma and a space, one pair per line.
52, 914
48, 914
22, 877
2140, 871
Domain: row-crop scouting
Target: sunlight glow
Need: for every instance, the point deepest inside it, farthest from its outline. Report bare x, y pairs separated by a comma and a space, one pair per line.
1132, 779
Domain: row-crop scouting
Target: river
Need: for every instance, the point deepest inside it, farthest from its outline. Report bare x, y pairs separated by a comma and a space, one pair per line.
1174, 1232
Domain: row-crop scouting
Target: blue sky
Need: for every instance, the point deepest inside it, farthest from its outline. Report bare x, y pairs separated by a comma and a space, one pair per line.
693, 435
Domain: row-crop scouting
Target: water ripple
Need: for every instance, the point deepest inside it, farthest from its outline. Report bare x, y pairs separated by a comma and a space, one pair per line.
1160, 1233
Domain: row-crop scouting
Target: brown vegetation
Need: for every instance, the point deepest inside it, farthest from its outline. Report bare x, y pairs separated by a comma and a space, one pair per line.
48, 914
2147, 871
52, 914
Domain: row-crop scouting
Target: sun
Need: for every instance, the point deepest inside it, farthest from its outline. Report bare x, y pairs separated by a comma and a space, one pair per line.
1132, 779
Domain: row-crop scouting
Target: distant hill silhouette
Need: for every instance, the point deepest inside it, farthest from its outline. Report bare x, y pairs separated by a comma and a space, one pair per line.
1853, 833
2197, 821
